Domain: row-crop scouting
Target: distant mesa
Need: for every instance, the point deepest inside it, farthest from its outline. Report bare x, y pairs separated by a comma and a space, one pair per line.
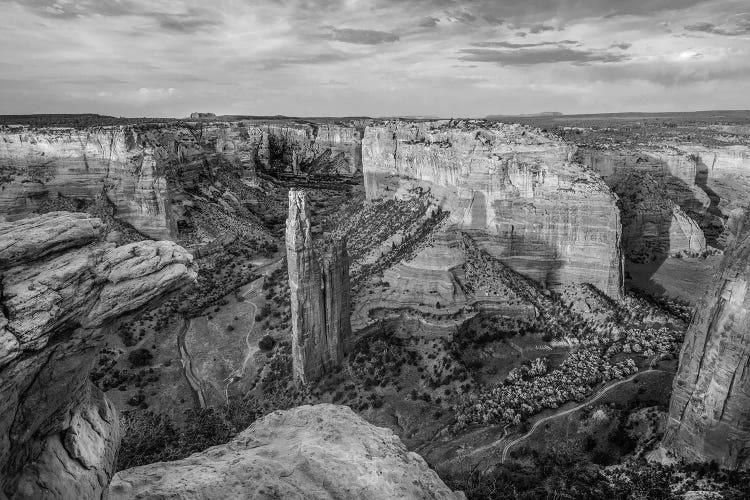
526, 115
200, 116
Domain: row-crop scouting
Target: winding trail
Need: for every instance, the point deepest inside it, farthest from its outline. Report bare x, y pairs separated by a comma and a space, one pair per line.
539, 422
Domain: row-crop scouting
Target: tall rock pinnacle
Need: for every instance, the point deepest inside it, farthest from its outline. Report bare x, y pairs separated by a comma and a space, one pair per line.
319, 295
710, 407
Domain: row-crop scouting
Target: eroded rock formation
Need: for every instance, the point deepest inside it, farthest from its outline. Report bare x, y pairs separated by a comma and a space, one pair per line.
710, 407
311, 452
534, 209
319, 285
61, 290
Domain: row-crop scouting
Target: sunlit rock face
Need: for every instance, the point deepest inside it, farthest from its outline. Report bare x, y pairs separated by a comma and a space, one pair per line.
710, 407
61, 290
544, 216
319, 286
312, 452
113, 162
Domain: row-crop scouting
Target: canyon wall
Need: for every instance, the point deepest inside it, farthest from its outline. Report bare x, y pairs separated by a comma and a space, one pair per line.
531, 207
140, 173
319, 287
313, 452
723, 172
85, 164
664, 212
61, 290
323, 148
710, 407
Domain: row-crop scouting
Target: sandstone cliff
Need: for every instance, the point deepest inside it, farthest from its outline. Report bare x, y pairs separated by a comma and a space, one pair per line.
710, 407
319, 287
113, 162
61, 291
309, 452
317, 148
538, 212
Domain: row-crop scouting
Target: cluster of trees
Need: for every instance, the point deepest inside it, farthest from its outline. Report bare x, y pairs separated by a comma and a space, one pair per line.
647, 342
532, 389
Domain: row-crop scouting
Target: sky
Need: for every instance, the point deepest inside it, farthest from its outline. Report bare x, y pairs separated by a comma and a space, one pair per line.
446, 58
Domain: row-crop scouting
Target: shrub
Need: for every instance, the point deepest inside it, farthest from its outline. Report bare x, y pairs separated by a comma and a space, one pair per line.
266, 343
140, 357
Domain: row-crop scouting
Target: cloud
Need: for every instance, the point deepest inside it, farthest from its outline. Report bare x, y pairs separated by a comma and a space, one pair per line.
533, 56
462, 16
736, 25
512, 45
539, 28
621, 46
185, 23
428, 22
363, 37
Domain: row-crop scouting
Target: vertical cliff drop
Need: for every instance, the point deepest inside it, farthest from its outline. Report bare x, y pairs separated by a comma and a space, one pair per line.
321, 327
709, 415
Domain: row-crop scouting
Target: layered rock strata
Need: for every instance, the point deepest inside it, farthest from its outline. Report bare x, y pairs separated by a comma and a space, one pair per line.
311, 452
114, 163
531, 207
61, 290
317, 148
141, 173
710, 407
320, 294
653, 225
668, 179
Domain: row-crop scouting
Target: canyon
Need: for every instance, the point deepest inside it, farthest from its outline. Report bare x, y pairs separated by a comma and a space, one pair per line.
224, 307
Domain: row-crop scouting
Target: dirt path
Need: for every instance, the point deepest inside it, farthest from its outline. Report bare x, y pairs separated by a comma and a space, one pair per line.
539, 422
251, 290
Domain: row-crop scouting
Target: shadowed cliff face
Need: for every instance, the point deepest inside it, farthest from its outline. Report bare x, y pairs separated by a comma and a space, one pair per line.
546, 217
709, 417
61, 291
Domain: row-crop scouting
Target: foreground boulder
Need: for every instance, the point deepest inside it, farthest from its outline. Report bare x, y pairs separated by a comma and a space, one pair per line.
710, 407
313, 452
62, 289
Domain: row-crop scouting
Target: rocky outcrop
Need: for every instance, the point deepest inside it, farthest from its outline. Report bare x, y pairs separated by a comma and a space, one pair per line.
319, 286
61, 290
311, 452
710, 406
531, 207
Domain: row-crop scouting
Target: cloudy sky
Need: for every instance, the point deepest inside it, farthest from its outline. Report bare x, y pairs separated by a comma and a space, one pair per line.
374, 57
